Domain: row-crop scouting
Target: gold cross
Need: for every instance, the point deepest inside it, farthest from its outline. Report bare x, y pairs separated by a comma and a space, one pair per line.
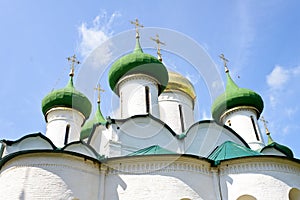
99, 89
137, 25
158, 42
265, 124
225, 62
73, 60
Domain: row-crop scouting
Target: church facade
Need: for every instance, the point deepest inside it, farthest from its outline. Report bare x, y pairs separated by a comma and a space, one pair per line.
155, 150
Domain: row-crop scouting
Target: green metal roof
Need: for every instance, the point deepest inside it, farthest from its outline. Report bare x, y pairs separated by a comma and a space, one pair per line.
235, 96
230, 150
155, 149
138, 62
283, 149
89, 125
67, 97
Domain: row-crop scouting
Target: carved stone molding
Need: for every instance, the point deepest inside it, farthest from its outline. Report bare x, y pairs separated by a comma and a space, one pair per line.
155, 166
256, 167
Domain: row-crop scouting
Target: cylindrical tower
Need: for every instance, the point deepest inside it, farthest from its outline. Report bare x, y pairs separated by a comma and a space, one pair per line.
240, 109
176, 103
138, 79
65, 111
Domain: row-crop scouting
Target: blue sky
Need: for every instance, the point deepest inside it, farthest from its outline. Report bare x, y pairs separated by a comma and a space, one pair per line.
260, 38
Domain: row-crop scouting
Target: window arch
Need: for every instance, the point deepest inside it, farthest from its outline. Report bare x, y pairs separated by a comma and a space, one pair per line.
67, 134
181, 117
246, 197
147, 99
294, 194
254, 127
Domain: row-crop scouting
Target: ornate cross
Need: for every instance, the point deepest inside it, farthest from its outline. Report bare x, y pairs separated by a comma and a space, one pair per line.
137, 25
265, 124
73, 60
99, 89
225, 62
158, 42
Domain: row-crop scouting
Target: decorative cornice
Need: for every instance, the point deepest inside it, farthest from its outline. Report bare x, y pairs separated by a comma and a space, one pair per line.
131, 77
164, 96
236, 109
259, 166
145, 167
64, 109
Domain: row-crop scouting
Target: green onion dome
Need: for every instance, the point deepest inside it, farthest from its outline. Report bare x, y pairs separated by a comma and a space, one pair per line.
88, 127
235, 96
138, 62
283, 149
67, 97
179, 82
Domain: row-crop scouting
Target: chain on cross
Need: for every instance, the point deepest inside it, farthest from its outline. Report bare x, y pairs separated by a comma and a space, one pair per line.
225, 62
99, 89
265, 124
158, 42
137, 25
73, 60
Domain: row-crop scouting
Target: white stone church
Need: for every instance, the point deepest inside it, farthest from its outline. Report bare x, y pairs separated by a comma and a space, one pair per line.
154, 150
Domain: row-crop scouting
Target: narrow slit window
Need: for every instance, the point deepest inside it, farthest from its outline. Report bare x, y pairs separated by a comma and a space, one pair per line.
121, 98
254, 127
147, 98
67, 134
181, 117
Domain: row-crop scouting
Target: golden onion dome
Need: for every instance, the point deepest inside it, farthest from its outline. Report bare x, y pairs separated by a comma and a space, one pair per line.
180, 83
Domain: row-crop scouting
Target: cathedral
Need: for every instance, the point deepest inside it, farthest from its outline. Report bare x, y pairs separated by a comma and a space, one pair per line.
155, 149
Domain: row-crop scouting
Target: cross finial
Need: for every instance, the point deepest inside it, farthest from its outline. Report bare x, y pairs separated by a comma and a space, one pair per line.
158, 42
73, 60
137, 25
265, 124
225, 62
99, 89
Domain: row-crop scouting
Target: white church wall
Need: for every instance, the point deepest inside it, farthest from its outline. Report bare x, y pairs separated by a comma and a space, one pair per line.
57, 121
272, 151
29, 143
100, 139
263, 178
204, 137
169, 103
141, 132
133, 98
239, 119
81, 149
166, 177
49, 176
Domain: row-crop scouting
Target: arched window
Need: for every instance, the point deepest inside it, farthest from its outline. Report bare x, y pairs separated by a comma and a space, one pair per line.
294, 194
67, 134
181, 117
147, 99
254, 127
246, 197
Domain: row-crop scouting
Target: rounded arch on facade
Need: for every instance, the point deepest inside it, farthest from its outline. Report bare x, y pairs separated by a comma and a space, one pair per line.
246, 197
294, 194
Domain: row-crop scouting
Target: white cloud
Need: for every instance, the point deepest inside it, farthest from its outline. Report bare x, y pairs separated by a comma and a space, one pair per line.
283, 94
92, 36
283, 84
291, 111
278, 77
